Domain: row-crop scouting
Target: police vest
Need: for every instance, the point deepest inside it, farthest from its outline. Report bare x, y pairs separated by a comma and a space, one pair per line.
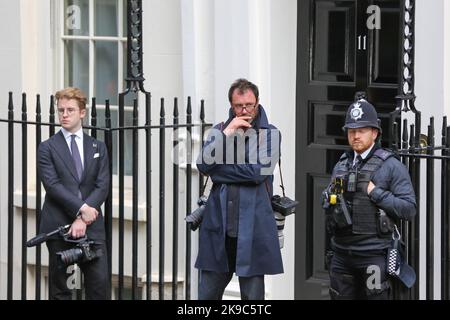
365, 214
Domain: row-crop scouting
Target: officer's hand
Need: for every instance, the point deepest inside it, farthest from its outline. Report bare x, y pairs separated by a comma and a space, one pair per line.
236, 123
77, 229
88, 214
370, 187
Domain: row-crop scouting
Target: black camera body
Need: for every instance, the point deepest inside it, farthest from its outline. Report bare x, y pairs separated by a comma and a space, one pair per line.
283, 205
195, 218
81, 252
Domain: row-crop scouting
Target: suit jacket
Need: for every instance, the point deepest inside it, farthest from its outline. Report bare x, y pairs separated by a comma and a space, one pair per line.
61, 183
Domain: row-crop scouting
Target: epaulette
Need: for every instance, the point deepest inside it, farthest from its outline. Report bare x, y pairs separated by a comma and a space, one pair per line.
343, 156
383, 154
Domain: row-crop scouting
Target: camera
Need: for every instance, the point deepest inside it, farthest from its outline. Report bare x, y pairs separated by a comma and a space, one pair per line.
81, 252
283, 205
195, 218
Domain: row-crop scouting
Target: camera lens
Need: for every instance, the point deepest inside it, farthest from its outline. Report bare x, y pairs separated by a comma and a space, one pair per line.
70, 256
195, 218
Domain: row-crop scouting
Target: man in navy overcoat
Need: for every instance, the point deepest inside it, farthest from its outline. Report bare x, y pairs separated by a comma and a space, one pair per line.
238, 233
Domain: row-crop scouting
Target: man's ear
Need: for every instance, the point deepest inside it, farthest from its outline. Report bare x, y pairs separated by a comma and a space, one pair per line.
83, 113
377, 133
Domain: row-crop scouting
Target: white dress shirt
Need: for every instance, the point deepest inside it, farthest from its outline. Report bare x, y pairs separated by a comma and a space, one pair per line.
78, 140
363, 155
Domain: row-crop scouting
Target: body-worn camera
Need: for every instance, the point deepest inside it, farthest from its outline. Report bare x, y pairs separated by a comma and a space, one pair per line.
283, 205
81, 252
341, 214
334, 198
195, 218
352, 179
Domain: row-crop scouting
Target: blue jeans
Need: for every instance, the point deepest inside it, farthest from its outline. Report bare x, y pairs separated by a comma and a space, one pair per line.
212, 284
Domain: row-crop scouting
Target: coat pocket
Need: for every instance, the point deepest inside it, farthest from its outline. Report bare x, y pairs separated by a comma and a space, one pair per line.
211, 219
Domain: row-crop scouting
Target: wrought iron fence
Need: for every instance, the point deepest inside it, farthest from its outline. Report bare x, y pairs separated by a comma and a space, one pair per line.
414, 148
109, 133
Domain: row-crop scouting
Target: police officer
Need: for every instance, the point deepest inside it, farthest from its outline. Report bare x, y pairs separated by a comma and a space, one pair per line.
369, 192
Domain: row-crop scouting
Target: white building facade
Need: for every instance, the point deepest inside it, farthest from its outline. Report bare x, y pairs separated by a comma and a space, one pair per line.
192, 48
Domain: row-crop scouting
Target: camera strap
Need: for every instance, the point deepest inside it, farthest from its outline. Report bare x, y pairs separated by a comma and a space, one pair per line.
281, 177
207, 177
204, 186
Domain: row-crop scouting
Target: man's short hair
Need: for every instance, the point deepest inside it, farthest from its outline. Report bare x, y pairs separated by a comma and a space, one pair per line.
243, 85
72, 93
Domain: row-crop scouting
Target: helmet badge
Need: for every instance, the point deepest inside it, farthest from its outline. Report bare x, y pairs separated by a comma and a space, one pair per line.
356, 113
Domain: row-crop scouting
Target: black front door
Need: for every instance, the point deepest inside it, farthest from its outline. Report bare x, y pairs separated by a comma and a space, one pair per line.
344, 46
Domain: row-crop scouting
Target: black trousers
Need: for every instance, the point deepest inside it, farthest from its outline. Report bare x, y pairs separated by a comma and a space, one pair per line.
95, 272
359, 276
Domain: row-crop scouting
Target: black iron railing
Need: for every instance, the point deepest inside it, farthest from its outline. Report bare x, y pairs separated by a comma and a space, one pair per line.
150, 212
413, 147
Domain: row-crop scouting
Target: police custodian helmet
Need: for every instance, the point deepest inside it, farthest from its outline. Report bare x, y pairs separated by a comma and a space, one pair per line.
361, 114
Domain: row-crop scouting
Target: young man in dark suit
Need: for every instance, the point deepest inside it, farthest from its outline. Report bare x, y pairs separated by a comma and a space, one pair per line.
74, 170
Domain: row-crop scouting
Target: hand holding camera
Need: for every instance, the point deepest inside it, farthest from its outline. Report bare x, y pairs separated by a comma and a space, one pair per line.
78, 228
82, 251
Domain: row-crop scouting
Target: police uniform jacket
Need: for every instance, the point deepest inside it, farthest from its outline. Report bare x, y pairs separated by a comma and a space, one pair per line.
393, 193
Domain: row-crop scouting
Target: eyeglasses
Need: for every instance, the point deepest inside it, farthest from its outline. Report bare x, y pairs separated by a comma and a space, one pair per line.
249, 107
69, 111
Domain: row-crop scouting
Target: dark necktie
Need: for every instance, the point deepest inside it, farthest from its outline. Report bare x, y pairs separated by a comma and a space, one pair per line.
357, 162
76, 156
